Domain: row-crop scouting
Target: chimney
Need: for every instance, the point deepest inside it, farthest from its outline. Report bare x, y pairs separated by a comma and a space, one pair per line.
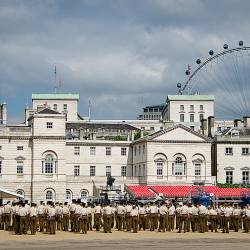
211, 126
204, 126
3, 113
237, 123
246, 121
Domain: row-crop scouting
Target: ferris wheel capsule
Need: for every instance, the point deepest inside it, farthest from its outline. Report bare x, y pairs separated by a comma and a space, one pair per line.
198, 61
225, 46
211, 52
240, 43
187, 72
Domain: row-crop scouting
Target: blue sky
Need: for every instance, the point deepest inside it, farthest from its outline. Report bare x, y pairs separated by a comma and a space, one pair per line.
122, 54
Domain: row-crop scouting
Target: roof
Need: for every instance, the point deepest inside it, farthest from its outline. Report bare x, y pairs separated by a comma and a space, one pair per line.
155, 106
161, 132
48, 111
190, 98
55, 96
91, 125
185, 191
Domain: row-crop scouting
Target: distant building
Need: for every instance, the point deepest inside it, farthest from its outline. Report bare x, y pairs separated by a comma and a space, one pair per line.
152, 112
188, 110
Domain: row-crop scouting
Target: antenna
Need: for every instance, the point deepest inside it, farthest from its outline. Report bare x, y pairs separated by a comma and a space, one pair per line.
89, 109
55, 80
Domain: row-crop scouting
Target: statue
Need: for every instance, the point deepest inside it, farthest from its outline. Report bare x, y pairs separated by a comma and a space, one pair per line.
110, 181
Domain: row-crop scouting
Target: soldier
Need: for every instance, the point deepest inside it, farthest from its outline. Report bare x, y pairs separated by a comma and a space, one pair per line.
142, 217
148, 216
78, 211
65, 217
128, 209
84, 219
247, 219
178, 216
58, 208
16, 218
120, 216
1, 217
134, 218
97, 216
27, 206
7, 215
184, 210
23, 218
33, 219
113, 216
202, 213
171, 217
52, 219
212, 213
163, 213
72, 209
154, 212
236, 217
107, 212
227, 214
89, 213
195, 218
41, 216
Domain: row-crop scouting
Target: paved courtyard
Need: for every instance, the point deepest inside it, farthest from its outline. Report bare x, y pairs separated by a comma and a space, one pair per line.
123, 240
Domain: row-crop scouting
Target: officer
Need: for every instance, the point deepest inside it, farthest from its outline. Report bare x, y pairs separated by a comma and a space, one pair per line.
236, 217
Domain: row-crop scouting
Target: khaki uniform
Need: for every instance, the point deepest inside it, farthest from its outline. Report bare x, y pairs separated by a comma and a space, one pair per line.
89, 212
202, 211
83, 220
58, 217
107, 213
97, 217
120, 217
184, 211
52, 220
134, 218
72, 209
154, 212
33, 220
163, 211
41, 217
23, 212
7, 216
142, 218
236, 219
171, 218
65, 218
128, 210
213, 219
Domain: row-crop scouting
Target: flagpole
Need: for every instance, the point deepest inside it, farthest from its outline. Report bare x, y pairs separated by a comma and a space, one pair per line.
55, 80
89, 109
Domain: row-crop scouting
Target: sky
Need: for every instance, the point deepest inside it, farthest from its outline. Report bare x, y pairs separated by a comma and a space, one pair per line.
120, 54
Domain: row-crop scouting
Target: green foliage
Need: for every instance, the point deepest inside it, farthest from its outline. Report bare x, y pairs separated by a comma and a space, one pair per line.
119, 138
138, 134
227, 185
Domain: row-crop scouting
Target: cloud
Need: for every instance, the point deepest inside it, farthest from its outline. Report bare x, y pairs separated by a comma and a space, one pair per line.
116, 52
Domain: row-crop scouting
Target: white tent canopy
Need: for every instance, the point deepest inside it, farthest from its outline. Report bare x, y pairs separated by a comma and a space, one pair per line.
6, 194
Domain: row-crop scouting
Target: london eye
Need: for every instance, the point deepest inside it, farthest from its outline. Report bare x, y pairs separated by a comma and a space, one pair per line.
224, 74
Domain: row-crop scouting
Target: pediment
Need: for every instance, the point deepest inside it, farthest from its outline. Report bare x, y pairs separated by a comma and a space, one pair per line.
178, 133
20, 158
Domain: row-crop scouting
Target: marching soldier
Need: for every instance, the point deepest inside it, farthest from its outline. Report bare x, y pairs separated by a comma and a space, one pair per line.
15, 218
148, 216
195, 218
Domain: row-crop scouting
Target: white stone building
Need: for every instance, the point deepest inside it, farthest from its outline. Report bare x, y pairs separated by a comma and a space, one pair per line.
188, 110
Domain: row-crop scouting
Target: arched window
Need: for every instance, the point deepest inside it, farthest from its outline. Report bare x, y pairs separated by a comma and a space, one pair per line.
49, 195
68, 195
49, 164
179, 166
84, 194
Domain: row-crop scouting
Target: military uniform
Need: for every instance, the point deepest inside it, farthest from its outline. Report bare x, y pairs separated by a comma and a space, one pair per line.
107, 212
128, 209
163, 213
41, 216
184, 211
65, 217
97, 217
120, 217
52, 220
83, 219
142, 217
171, 218
23, 212
33, 219
134, 218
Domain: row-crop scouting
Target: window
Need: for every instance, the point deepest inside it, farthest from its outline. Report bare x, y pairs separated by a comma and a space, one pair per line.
245, 151
191, 117
19, 147
76, 170
201, 117
68, 195
108, 150
124, 171
0, 167
123, 151
191, 107
181, 117
76, 150
65, 107
19, 169
55, 107
108, 170
245, 177
92, 150
181, 107
159, 170
201, 108
49, 124
49, 163
229, 151
229, 177
197, 169
179, 166
92, 171
49, 195
84, 194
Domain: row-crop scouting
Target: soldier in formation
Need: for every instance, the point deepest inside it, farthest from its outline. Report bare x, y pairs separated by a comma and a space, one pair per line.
23, 218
